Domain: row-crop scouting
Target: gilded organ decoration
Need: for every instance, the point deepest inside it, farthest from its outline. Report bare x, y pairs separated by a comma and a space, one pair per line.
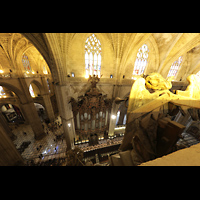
91, 113
94, 80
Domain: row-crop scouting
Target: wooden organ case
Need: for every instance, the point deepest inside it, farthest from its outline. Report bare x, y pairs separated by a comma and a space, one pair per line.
91, 115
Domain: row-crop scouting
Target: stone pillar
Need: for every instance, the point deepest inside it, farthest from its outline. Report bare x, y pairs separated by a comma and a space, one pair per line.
23, 114
9, 156
47, 100
68, 132
29, 111
48, 107
66, 114
4, 123
113, 120
31, 115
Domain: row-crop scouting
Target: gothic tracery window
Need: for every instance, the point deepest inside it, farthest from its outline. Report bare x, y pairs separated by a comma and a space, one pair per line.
141, 60
175, 67
92, 56
45, 70
26, 63
31, 91
2, 92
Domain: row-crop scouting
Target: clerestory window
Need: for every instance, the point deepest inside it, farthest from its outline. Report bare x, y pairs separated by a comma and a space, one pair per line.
26, 63
141, 60
31, 91
175, 67
92, 56
2, 92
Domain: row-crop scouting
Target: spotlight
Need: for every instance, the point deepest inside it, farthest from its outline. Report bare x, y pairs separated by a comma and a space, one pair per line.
113, 116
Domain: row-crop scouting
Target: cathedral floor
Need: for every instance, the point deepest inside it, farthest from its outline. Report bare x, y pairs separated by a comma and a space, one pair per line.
48, 147
53, 145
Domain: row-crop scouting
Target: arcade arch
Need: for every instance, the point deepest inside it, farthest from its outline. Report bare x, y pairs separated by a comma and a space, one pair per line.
34, 90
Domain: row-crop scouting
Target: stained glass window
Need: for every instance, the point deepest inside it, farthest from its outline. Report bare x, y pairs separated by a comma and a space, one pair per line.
26, 63
2, 92
92, 56
141, 60
175, 67
45, 70
48, 85
31, 91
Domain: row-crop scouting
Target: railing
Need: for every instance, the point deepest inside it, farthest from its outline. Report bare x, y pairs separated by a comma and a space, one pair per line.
14, 75
45, 158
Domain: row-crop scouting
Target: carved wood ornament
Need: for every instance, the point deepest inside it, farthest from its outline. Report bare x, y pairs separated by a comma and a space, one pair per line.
91, 113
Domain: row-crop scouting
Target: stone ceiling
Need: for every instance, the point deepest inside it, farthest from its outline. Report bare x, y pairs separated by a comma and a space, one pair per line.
62, 51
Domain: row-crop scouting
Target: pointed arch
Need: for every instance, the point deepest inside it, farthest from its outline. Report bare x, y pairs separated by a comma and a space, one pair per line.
35, 87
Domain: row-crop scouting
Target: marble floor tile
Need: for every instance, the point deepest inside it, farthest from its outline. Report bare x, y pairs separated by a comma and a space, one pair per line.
46, 146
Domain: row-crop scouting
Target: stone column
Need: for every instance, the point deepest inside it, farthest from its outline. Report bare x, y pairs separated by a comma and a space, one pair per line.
48, 107
4, 123
29, 111
47, 100
9, 156
113, 120
66, 114
32, 117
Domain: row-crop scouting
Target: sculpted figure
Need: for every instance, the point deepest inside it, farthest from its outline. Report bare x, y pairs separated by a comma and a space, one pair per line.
148, 110
156, 82
193, 89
